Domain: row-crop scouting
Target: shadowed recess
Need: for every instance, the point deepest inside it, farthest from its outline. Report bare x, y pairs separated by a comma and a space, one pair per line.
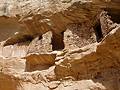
98, 31
57, 41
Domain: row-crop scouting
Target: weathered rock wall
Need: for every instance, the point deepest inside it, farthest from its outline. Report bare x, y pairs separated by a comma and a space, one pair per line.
59, 45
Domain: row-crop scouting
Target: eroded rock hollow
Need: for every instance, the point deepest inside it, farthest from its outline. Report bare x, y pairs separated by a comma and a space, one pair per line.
59, 45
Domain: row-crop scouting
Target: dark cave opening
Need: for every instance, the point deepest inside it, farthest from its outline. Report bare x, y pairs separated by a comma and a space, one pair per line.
98, 31
57, 41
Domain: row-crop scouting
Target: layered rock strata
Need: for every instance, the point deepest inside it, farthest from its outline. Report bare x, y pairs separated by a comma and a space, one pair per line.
59, 45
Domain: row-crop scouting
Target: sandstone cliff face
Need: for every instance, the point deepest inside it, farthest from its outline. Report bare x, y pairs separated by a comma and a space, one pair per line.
59, 45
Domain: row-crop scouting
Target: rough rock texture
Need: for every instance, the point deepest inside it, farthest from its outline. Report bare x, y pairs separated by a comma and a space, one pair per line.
41, 44
59, 45
15, 50
77, 36
99, 62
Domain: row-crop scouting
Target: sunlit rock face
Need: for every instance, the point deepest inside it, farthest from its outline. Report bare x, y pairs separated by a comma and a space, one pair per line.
59, 44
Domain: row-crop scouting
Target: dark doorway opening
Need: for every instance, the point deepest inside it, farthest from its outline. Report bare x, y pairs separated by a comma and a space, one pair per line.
57, 41
98, 31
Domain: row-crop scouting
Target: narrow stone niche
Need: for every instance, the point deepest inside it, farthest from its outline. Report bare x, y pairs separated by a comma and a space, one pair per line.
98, 31
57, 41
